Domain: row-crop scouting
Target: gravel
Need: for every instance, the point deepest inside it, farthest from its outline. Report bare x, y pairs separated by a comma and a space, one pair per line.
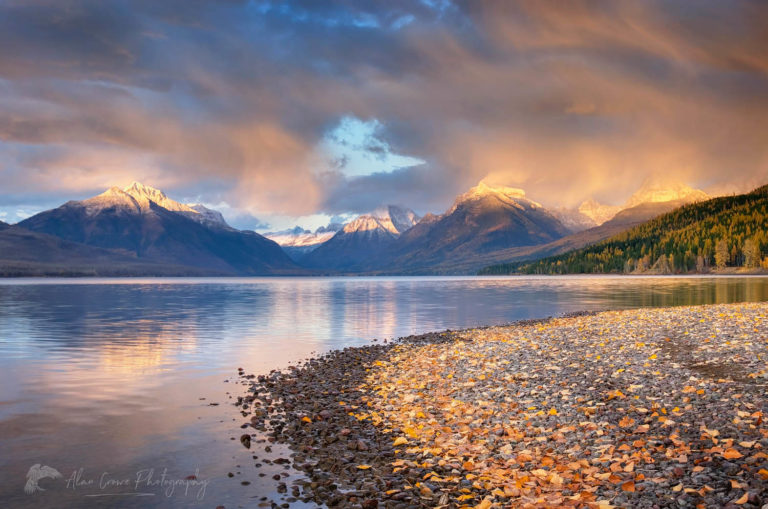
641, 408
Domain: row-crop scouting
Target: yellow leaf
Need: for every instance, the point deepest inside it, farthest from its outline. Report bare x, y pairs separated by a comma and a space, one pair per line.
742, 500
552, 411
306, 419
363, 467
626, 422
411, 432
485, 504
400, 441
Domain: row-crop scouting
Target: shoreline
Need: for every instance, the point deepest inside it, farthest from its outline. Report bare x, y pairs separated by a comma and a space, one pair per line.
10, 280
650, 407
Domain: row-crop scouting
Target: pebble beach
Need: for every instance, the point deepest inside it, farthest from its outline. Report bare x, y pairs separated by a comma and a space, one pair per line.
650, 408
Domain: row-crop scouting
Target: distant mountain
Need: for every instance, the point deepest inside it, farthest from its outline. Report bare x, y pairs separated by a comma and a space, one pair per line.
689, 238
481, 221
598, 212
297, 241
574, 220
660, 192
652, 191
144, 223
621, 222
362, 240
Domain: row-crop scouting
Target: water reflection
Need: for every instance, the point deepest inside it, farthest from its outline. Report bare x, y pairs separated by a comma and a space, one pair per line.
109, 374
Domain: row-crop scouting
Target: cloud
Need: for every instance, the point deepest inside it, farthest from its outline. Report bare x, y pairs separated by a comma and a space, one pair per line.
234, 101
248, 222
355, 148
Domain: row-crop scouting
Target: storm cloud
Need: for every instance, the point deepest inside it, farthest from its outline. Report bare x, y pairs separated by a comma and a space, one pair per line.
230, 102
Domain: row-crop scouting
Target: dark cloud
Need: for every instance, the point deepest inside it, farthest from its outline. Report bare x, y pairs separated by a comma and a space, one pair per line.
404, 187
565, 99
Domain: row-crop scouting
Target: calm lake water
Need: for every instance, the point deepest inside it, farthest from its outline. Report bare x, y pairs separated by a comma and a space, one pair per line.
104, 380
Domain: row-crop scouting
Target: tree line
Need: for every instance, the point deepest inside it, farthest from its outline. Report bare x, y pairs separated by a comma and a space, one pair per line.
723, 232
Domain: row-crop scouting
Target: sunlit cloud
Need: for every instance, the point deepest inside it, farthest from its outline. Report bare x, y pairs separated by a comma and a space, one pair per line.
306, 109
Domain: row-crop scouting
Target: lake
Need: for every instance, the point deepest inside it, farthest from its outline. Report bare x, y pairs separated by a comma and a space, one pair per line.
125, 386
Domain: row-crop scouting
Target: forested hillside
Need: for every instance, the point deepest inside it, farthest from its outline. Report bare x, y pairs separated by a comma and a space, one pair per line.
729, 231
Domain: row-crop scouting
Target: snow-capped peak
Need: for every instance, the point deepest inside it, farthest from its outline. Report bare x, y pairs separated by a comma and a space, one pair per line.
659, 192
401, 218
299, 237
144, 194
483, 189
598, 212
139, 189
114, 197
390, 218
206, 216
509, 195
137, 199
652, 191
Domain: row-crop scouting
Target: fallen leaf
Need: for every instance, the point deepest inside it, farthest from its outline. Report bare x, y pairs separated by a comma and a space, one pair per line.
732, 454
626, 422
485, 504
628, 486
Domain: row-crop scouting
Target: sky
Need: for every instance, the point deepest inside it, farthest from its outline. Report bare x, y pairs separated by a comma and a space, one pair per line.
296, 112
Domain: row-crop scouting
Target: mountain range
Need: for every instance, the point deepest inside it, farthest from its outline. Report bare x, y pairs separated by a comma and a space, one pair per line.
486, 225
592, 213
729, 231
140, 230
483, 220
360, 241
297, 241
